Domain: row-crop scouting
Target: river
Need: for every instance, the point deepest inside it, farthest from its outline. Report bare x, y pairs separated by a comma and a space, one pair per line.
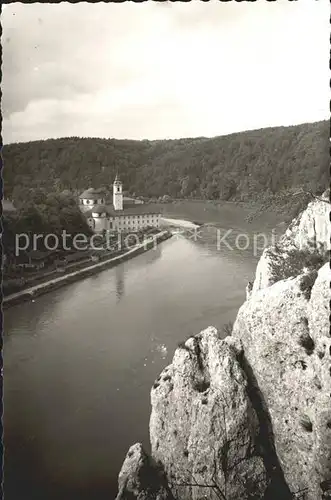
79, 362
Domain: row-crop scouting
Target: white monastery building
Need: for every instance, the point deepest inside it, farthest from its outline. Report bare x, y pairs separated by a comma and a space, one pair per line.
124, 215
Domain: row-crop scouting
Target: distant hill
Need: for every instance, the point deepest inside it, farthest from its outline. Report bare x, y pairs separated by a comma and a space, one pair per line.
247, 166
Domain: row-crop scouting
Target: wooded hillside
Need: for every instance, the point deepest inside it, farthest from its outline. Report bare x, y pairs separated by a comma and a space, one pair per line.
253, 165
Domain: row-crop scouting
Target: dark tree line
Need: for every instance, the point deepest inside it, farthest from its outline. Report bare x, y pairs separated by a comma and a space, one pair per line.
243, 166
39, 212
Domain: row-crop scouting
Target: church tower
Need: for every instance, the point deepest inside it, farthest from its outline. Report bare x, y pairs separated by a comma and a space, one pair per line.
117, 194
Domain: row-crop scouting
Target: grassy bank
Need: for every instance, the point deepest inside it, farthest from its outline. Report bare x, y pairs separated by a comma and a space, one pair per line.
88, 270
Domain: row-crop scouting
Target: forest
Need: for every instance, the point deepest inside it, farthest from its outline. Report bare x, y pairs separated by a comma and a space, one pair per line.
253, 166
43, 213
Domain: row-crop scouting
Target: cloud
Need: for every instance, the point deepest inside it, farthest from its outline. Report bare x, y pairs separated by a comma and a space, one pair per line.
151, 70
51, 52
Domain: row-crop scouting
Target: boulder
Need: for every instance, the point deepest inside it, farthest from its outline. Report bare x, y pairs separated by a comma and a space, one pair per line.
203, 426
311, 229
141, 479
304, 246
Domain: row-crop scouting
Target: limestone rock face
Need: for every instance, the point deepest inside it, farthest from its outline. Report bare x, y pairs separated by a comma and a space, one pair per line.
311, 229
319, 325
140, 479
285, 333
203, 427
304, 245
232, 418
266, 274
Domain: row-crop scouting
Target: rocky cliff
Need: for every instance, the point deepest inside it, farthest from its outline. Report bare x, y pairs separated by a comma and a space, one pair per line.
249, 416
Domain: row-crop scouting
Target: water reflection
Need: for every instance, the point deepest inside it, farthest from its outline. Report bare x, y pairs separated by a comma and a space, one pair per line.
121, 271
119, 277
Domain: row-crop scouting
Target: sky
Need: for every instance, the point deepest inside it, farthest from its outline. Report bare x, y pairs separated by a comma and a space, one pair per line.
162, 70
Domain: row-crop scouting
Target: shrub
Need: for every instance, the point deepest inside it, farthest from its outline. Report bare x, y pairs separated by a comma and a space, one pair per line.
293, 265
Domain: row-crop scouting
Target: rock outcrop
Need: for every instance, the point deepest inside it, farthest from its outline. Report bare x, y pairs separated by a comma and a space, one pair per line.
249, 416
285, 331
285, 335
311, 229
141, 478
203, 427
303, 246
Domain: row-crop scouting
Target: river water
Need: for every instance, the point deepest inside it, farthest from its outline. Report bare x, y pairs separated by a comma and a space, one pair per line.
79, 362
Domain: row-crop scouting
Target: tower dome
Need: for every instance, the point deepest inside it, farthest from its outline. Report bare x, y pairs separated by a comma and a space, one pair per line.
117, 179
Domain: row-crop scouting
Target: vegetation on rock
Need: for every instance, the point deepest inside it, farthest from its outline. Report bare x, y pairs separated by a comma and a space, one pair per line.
294, 262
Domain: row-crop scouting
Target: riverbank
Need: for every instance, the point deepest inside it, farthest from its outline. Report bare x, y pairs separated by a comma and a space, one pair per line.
278, 208
186, 224
223, 214
53, 284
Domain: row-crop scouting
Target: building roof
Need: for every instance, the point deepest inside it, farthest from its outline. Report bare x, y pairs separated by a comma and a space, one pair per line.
128, 209
117, 180
91, 193
99, 209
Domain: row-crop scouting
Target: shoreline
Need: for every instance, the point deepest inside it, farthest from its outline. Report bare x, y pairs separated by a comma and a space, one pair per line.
243, 216
55, 283
177, 222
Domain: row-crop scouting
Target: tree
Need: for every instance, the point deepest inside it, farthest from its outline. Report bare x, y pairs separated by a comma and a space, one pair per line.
228, 189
